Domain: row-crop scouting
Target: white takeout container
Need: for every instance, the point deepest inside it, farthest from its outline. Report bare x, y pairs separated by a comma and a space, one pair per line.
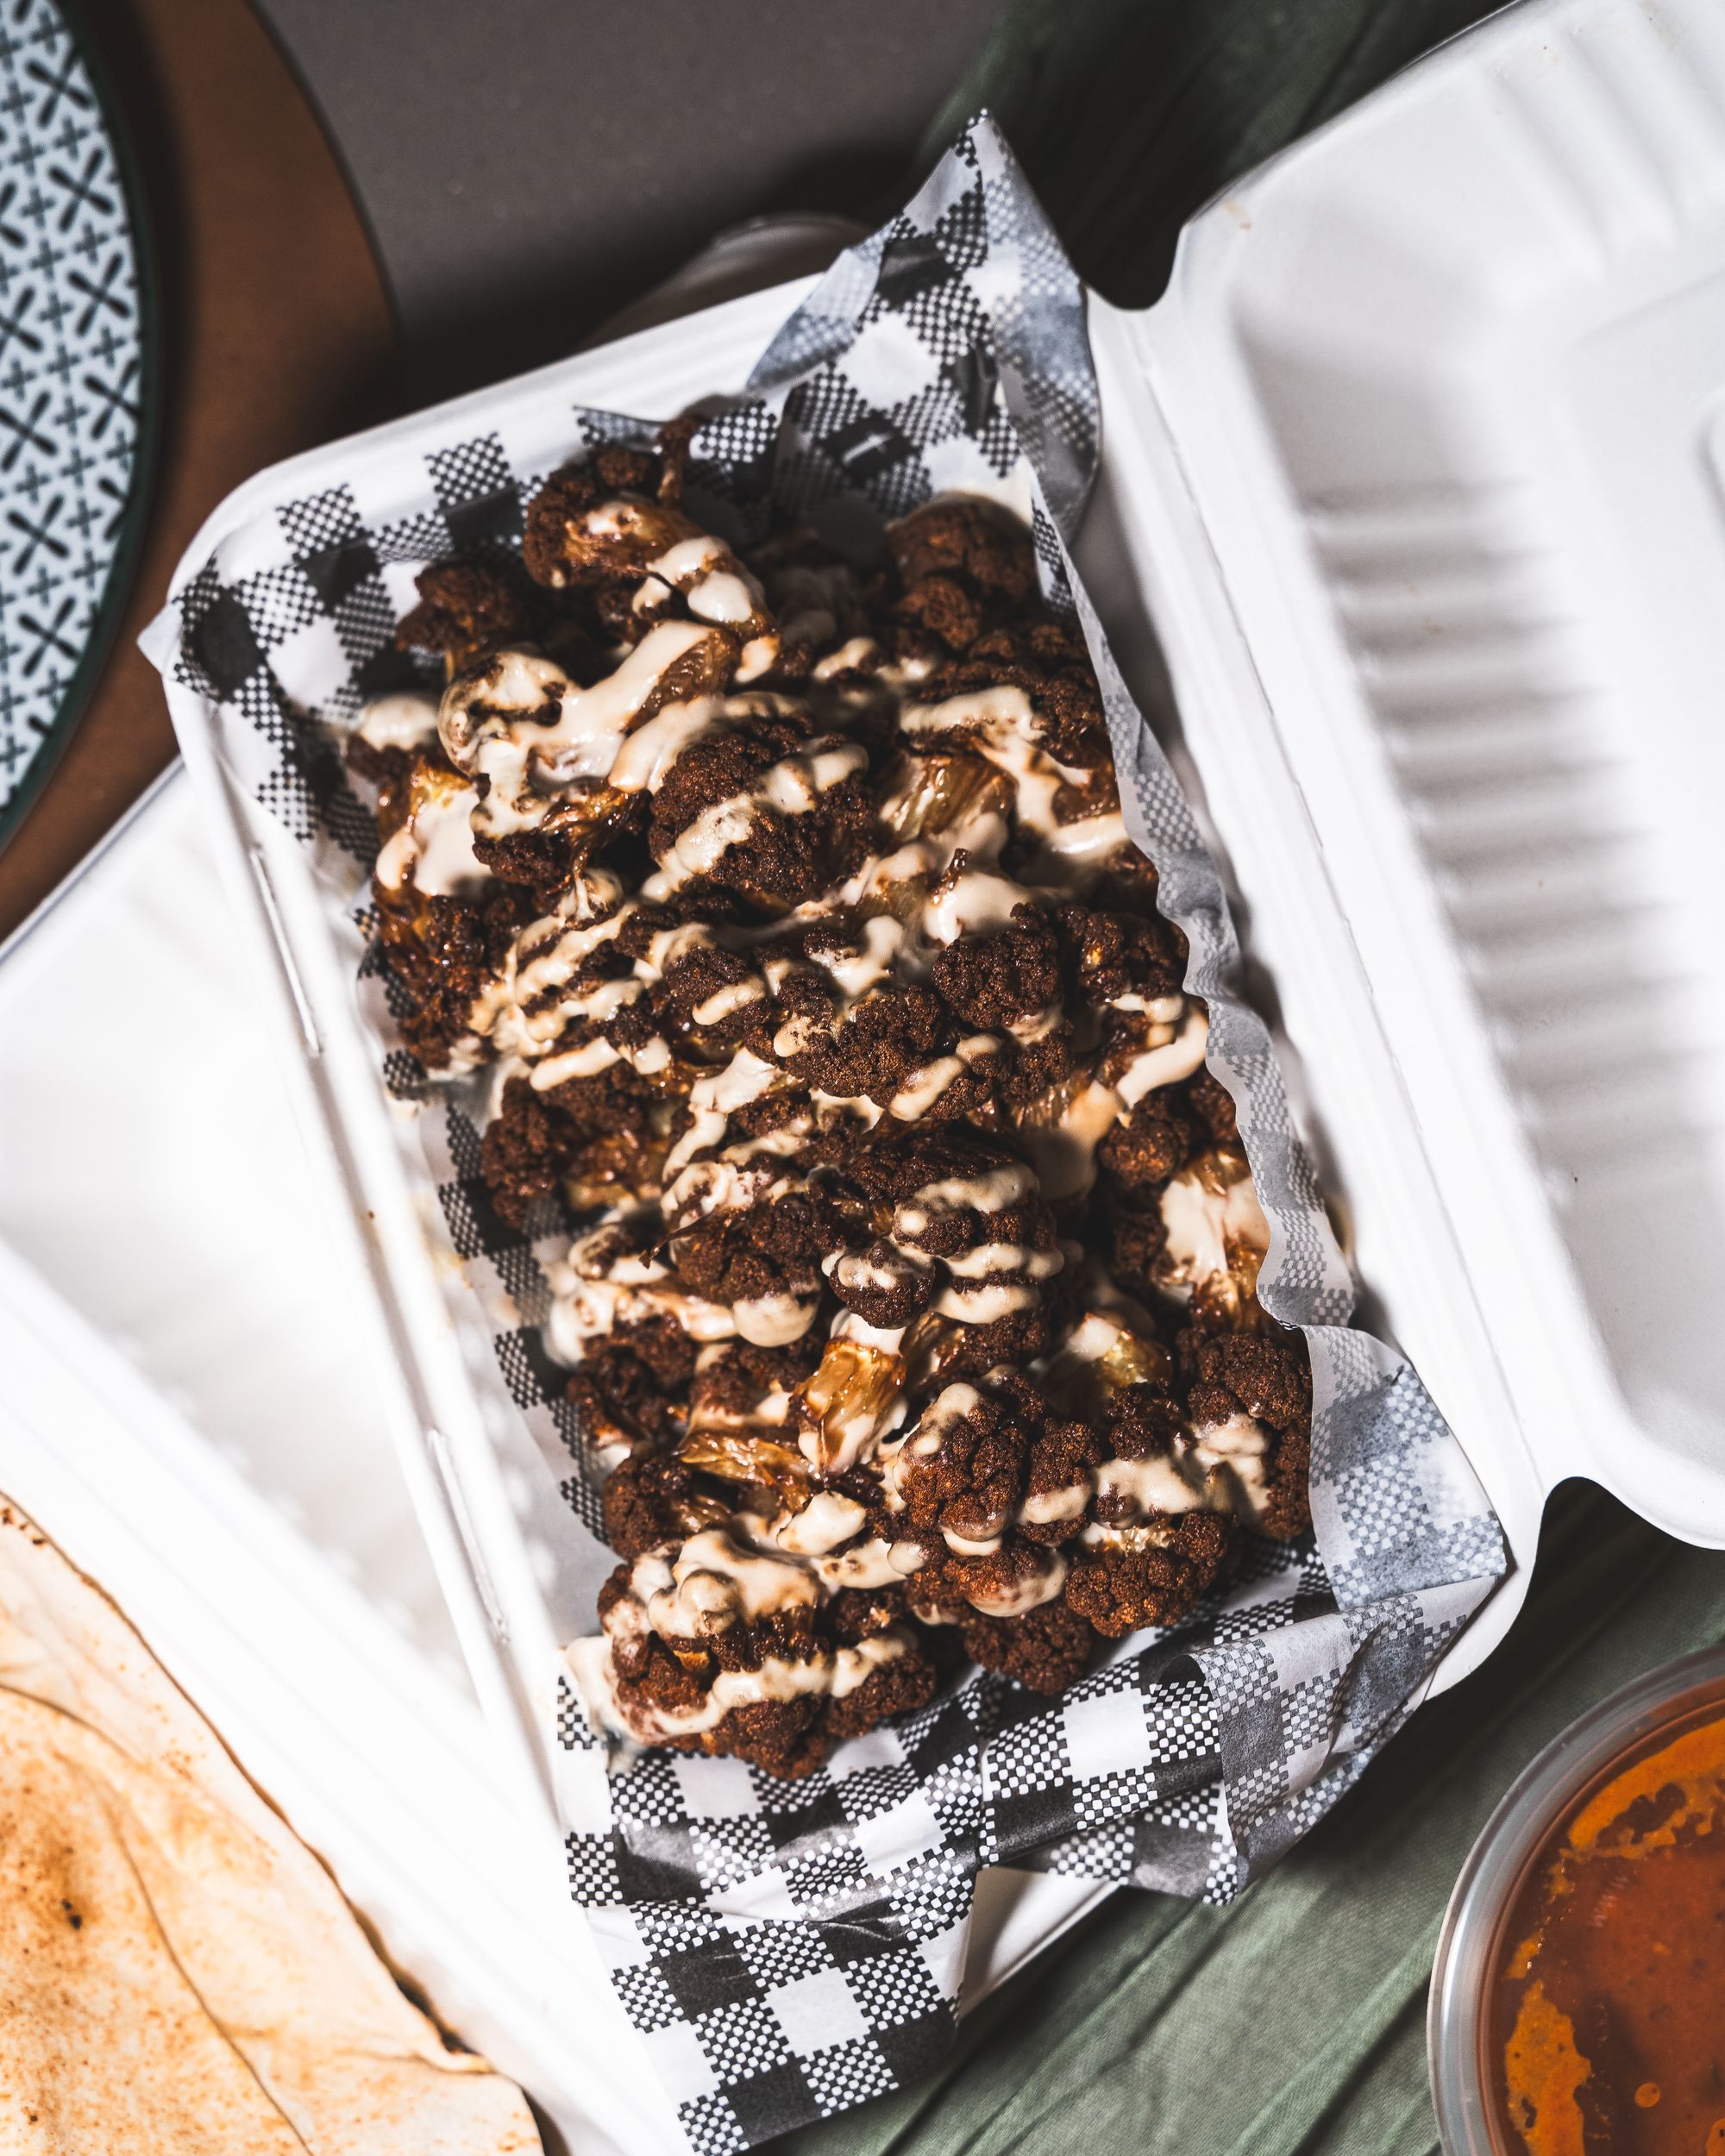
1410, 490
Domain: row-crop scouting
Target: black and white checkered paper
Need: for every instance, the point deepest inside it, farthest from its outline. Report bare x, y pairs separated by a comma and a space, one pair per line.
787, 1950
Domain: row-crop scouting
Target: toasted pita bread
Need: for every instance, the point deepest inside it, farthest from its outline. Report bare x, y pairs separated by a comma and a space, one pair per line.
177, 1972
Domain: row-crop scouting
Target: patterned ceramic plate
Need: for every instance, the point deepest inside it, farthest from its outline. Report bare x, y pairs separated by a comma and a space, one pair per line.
76, 374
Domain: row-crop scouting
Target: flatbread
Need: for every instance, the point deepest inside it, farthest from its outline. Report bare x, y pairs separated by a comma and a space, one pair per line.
177, 1972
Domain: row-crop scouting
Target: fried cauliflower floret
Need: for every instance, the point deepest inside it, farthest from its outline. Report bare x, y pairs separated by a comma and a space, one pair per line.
442, 951
629, 1383
1136, 1237
960, 1473
653, 1497
1046, 659
1021, 1336
869, 1052
465, 610
945, 1221
562, 546
763, 1260
969, 537
588, 1139
719, 767
884, 1285
1060, 1472
1027, 1072
982, 1459
1008, 1581
1250, 1407
1142, 1421
1153, 1142
898, 1686
965, 566
1109, 956
1047, 1650
766, 808
655, 1682
734, 1378
1014, 973
772, 1679
1152, 1573
1211, 1102
782, 1737
714, 998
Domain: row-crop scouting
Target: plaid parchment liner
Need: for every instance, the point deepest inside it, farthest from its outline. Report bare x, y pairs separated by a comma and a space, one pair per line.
790, 1949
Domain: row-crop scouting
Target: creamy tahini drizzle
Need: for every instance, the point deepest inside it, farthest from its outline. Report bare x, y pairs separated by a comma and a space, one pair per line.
714, 583
1000, 724
793, 787
406, 718
1233, 1456
522, 725
433, 848
1209, 1227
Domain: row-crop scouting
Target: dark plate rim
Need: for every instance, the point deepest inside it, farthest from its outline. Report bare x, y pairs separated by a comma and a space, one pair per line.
129, 543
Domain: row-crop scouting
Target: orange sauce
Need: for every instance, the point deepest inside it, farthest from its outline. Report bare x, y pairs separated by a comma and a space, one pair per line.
1607, 2021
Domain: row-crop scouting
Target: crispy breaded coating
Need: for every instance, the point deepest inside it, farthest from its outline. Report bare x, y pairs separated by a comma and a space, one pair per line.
1047, 1650
990, 981
884, 1285
1059, 1473
1046, 658
1154, 1575
1154, 1142
732, 1379
961, 1474
746, 1256
560, 546
750, 810
465, 610
898, 1688
1211, 1103
870, 1051
627, 1385
650, 1498
1267, 1377
588, 1133
1112, 955
967, 538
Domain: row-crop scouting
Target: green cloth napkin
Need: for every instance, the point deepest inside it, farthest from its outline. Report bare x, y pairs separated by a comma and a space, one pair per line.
1294, 2020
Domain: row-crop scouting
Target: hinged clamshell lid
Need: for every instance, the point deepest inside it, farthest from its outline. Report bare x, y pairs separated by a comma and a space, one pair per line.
1421, 464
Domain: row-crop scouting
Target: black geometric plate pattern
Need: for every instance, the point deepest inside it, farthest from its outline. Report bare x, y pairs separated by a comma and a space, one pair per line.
75, 367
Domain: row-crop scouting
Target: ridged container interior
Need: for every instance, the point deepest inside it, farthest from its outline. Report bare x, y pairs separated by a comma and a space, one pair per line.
1437, 398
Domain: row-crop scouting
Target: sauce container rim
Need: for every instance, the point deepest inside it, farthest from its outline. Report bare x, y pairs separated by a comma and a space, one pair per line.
1496, 1865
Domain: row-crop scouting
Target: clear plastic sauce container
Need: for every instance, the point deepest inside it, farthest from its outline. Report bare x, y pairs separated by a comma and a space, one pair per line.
1578, 1996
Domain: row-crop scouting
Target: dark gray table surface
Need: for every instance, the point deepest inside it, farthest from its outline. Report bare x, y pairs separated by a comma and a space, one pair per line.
528, 166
